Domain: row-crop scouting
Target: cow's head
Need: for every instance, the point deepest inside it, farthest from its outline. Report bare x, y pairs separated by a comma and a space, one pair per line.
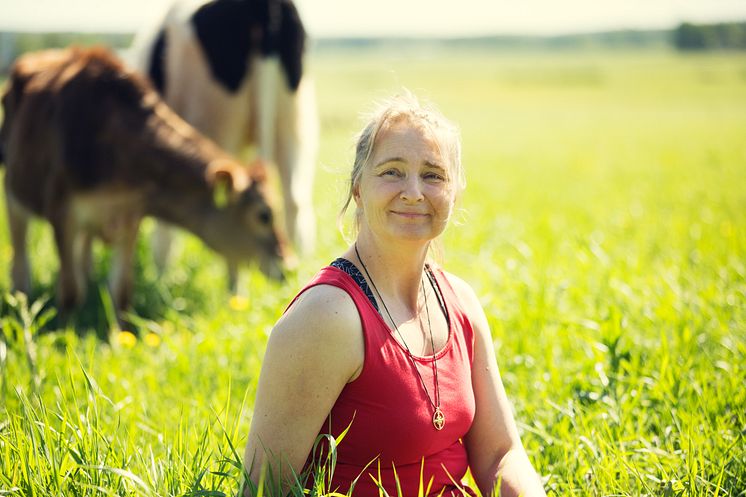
245, 229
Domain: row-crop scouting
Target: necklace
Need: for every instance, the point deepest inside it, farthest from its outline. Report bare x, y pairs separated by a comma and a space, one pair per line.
439, 419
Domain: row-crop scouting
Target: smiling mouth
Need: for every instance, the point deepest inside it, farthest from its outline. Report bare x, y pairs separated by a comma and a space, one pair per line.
411, 215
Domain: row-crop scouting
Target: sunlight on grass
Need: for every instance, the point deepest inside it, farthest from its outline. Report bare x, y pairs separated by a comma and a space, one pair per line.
603, 229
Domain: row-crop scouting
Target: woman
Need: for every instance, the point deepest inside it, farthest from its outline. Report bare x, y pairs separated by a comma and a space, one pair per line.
385, 343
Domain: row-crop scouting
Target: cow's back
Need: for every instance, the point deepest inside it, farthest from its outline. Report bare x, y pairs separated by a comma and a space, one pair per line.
28, 138
62, 110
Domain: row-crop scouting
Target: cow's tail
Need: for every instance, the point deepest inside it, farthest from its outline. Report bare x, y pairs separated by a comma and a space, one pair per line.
3, 133
4, 125
2, 143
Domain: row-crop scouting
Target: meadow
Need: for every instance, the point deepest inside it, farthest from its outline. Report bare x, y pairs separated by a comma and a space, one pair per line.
603, 227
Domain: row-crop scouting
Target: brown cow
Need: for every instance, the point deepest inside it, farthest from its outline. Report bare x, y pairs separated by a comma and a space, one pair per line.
92, 148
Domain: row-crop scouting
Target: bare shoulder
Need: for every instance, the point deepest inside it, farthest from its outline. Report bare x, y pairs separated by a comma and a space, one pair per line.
325, 305
313, 351
323, 325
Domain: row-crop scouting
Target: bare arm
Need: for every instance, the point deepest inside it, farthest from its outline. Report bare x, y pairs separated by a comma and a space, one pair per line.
313, 351
493, 444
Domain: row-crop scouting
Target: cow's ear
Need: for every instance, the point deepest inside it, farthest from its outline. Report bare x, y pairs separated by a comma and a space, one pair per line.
258, 171
227, 180
222, 186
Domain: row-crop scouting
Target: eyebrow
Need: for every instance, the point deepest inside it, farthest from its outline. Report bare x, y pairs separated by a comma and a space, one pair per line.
433, 165
386, 161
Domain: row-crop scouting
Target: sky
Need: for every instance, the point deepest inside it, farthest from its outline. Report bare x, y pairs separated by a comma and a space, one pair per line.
328, 18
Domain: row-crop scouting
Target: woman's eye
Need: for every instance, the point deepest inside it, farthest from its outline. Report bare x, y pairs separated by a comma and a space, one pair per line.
434, 177
390, 172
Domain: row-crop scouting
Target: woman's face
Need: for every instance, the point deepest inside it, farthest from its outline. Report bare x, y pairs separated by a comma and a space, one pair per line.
406, 190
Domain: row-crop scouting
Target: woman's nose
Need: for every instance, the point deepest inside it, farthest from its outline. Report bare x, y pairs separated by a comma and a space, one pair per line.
411, 190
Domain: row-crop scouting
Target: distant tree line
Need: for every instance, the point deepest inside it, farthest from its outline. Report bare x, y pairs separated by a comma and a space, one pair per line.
623, 39
688, 36
12, 44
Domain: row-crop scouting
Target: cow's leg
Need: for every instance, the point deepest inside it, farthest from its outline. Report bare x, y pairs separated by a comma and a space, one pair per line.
18, 224
69, 293
269, 82
295, 163
120, 276
82, 261
232, 276
161, 242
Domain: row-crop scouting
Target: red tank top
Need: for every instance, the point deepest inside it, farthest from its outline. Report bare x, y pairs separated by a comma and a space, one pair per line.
388, 412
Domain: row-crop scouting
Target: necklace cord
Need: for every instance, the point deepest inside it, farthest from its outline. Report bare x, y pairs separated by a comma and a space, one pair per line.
436, 404
432, 347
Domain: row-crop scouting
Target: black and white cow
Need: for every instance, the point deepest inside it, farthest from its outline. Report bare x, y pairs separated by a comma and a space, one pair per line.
234, 69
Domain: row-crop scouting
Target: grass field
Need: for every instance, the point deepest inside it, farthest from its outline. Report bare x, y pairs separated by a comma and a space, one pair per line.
603, 227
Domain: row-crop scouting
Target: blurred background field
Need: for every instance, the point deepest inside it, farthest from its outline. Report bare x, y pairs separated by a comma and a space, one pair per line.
603, 226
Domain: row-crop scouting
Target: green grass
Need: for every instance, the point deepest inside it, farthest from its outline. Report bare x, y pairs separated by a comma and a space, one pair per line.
603, 227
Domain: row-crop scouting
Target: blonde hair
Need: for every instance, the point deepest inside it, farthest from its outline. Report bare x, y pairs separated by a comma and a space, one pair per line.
406, 107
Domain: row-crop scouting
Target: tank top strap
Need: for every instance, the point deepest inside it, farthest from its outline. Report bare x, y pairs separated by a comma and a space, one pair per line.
446, 291
351, 269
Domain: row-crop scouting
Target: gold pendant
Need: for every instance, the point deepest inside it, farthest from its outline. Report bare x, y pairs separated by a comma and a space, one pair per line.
439, 419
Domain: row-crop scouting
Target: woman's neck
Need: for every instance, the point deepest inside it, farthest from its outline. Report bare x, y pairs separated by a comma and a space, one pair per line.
396, 270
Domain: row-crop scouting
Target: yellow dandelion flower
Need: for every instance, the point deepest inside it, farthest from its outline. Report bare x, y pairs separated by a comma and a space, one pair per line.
238, 303
152, 340
126, 339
